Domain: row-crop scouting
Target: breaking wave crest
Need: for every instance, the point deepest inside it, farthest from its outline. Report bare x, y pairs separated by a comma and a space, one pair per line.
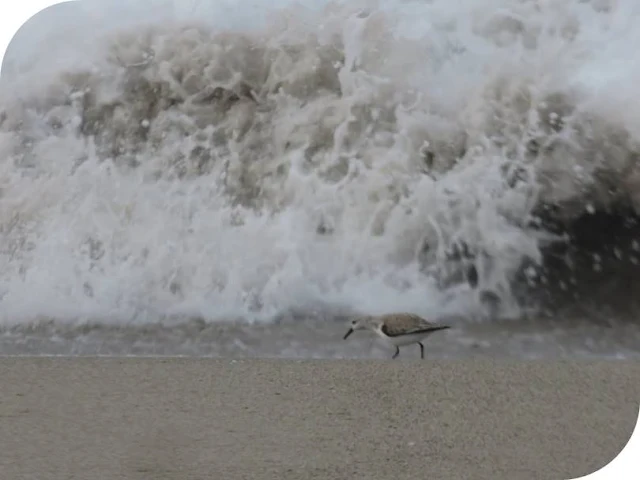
358, 156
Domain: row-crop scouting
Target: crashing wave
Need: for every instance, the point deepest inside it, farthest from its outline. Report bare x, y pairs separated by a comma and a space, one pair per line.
366, 157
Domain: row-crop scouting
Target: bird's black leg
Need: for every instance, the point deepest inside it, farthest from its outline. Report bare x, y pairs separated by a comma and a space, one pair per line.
421, 350
397, 353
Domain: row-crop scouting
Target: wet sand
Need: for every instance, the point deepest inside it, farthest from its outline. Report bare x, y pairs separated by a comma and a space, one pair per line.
320, 337
134, 418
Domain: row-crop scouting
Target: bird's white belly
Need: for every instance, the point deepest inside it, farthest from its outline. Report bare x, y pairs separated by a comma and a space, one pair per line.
403, 340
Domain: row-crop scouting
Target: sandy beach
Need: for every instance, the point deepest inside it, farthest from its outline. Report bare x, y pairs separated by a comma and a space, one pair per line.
136, 418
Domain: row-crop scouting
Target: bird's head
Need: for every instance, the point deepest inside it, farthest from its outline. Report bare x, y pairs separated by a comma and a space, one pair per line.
360, 323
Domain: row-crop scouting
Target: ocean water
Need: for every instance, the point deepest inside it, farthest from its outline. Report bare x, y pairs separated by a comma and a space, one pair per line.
233, 178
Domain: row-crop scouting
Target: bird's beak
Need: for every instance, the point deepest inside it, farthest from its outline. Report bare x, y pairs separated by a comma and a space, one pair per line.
348, 333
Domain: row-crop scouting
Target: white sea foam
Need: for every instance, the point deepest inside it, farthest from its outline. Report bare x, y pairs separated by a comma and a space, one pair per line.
242, 159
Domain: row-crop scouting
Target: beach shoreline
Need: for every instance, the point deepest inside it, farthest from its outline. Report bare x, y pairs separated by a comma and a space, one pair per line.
188, 418
321, 337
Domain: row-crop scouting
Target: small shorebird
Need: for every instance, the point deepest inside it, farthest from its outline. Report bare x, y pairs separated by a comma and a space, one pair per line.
398, 329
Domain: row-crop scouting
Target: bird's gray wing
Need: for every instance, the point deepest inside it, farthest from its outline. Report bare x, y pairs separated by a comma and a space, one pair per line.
409, 326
